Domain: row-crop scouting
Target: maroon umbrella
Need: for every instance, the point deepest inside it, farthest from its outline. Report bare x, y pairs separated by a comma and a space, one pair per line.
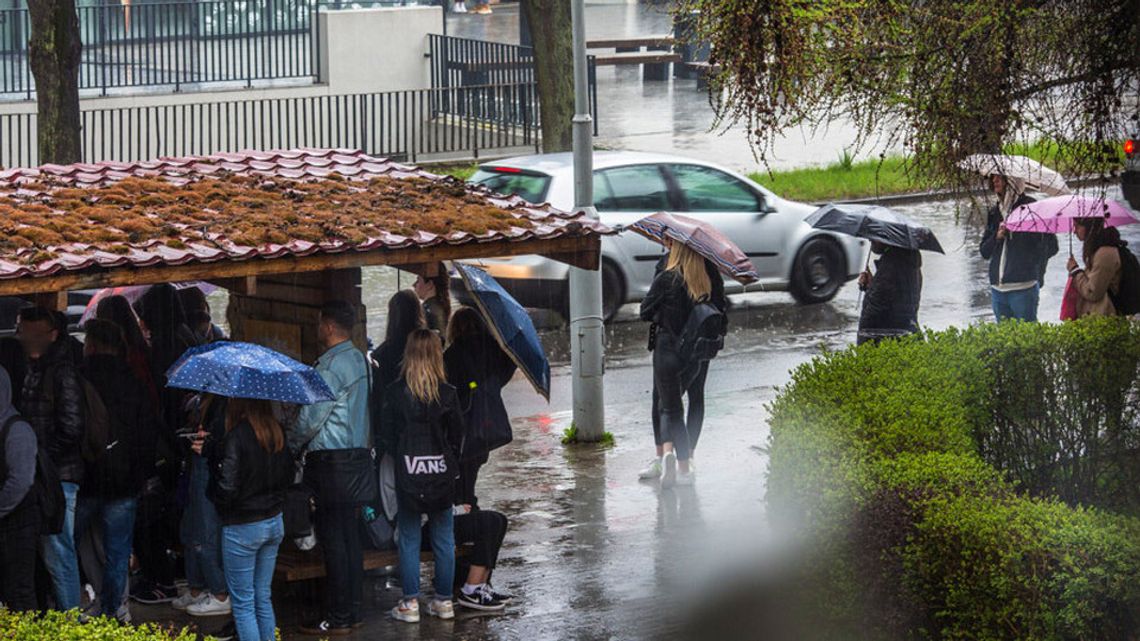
702, 238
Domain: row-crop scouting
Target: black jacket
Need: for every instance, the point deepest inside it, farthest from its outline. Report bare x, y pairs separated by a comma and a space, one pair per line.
403, 411
891, 303
476, 359
247, 483
1028, 253
52, 402
134, 425
668, 304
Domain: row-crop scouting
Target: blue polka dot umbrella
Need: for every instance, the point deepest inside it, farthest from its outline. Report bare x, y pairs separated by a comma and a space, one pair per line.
245, 370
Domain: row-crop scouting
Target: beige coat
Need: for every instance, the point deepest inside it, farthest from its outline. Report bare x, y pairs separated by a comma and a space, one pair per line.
1094, 283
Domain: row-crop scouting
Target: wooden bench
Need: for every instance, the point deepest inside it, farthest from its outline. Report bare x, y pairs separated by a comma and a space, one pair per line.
295, 565
655, 60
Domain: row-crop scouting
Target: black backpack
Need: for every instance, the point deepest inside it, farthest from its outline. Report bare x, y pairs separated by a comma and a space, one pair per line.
487, 425
702, 337
426, 468
1127, 300
48, 490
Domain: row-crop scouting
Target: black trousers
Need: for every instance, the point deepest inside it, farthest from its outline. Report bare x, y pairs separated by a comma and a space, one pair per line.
695, 413
19, 536
338, 532
485, 531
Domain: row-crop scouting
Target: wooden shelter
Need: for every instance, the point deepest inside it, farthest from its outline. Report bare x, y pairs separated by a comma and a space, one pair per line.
283, 231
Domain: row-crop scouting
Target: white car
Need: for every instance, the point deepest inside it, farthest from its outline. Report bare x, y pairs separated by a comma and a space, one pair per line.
787, 253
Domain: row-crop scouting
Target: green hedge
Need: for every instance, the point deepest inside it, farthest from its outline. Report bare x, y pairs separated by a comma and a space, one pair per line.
65, 626
969, 484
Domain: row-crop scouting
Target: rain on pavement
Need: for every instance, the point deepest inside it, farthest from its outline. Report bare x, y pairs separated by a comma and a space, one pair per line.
592, 553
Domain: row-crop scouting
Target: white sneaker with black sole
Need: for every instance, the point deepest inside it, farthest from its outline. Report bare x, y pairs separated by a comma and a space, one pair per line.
480, 600
668, 469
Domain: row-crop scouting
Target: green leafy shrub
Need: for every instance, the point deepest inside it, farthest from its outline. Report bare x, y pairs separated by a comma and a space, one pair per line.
969, 484
65, 626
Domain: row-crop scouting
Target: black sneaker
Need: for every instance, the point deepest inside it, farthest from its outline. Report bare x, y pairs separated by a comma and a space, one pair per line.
498, 596
149, 593
480, 600
326, 628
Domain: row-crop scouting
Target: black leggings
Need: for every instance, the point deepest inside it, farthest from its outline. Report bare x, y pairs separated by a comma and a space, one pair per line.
694, 419
669, 383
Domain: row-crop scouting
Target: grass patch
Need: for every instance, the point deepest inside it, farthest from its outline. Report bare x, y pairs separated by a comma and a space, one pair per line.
570, 437
845, 179
462, 171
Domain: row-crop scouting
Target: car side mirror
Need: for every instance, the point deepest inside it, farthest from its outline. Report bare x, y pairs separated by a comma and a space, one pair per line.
765, 208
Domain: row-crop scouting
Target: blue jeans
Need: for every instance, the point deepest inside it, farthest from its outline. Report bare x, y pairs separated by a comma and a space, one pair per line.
441, 526
118, 520
249, 553
58, 551
200, 530
1020, 305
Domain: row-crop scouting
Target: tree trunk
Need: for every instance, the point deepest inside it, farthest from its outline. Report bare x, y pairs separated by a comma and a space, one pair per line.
54, 49
551, 32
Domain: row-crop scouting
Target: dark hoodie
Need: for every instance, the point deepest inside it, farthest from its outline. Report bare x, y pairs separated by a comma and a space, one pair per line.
122, 469
17, 453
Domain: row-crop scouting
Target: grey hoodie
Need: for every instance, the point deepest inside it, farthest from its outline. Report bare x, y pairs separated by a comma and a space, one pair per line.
19, 451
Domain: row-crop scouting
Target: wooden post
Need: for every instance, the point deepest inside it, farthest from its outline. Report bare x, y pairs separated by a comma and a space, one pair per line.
55, 301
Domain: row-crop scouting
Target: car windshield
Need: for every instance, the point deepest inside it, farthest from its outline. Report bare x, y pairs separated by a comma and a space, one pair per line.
507, 180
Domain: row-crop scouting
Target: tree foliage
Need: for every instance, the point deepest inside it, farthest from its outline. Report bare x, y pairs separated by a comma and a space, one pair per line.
940, 78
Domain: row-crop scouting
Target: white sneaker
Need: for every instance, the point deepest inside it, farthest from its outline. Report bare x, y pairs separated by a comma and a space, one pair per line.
651, 471
407, 610
460, 8
441, 609
210, 607
686, 479
668, 469
187, 599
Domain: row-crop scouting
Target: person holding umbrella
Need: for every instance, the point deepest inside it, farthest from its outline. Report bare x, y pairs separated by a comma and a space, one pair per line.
1100, 279
893, 294
250, 468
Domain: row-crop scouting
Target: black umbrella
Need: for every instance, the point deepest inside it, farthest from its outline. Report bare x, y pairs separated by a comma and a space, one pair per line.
875, 223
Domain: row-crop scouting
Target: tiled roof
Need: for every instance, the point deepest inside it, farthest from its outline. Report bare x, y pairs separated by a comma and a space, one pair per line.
79, 230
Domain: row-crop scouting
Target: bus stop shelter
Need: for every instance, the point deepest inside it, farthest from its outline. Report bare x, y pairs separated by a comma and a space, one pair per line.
282, 231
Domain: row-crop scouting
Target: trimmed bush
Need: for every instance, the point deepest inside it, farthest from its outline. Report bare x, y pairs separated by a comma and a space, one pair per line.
65, 626
969, 484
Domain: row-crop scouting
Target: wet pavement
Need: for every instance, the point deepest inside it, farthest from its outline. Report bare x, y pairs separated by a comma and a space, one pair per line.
595, 554
666, 116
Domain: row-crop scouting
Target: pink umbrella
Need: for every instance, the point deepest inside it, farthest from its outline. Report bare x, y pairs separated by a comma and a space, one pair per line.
1056, 215
134, 292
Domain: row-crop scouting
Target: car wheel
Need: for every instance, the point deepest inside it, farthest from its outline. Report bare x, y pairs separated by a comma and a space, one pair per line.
613, 290
613, 293
818, 272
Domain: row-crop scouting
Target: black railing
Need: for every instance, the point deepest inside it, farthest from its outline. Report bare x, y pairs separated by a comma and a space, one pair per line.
398, 124
180, 42
465, 62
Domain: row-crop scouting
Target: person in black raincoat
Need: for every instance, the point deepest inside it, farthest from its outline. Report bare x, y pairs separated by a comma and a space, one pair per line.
890, 306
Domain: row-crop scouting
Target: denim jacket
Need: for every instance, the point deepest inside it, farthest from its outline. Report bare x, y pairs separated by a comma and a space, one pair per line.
343, 423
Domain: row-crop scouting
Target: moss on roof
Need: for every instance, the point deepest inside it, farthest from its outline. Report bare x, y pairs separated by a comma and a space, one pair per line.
245, 210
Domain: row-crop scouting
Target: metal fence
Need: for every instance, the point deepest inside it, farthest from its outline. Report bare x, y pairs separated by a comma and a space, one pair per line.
400, 124
180, 42
465, 62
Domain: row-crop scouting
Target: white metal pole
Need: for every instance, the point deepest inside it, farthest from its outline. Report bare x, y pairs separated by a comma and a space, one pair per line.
587, 331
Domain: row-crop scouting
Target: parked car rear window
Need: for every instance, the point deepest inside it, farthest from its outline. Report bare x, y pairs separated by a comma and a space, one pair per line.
528, 186
706, 189
636, 188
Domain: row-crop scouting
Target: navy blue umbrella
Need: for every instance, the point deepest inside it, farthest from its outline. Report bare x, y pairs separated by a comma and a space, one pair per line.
245, 370
510, 325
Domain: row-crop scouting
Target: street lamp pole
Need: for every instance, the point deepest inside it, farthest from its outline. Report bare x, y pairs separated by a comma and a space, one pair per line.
587, 351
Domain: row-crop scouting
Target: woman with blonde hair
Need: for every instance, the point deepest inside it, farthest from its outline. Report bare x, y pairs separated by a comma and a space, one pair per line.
686, 280
422, 427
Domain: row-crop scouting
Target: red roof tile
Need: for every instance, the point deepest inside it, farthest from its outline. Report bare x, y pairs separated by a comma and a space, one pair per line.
33, 188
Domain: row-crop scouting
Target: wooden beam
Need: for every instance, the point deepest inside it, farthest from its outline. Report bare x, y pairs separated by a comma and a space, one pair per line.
53, 300
246, 285
229, 269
